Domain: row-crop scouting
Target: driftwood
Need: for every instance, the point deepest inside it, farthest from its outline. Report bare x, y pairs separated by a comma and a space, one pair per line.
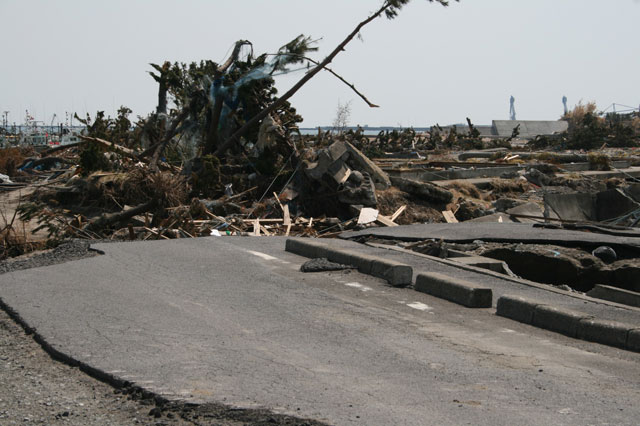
387, 7
118, 148
108, 219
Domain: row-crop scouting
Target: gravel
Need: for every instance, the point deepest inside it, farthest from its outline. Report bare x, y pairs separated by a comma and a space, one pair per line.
67, 251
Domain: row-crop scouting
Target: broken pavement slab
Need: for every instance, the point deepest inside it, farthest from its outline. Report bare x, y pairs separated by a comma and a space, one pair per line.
497, 232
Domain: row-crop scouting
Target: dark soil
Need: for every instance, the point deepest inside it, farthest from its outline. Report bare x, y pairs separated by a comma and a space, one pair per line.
558, 265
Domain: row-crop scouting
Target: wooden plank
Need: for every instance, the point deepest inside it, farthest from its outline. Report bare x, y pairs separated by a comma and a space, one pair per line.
256, 227
265, 231
385, 221
287, 217
449, 216
278, 200
288, 230
398, 213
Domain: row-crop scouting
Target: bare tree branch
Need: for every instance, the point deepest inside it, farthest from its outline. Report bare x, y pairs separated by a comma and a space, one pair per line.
257, 118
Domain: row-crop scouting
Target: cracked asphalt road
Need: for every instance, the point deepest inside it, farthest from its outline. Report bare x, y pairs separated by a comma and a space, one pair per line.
233, 321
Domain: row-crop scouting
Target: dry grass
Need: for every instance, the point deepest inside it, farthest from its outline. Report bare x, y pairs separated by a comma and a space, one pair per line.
14, 237
599, 161
167, 189
501, 187
11, 158
576, 116
466, 190
136, 187
417, 211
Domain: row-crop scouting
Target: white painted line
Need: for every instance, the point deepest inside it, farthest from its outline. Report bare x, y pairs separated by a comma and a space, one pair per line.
359, 286
419, 306
507, 330
267, 257
262, 255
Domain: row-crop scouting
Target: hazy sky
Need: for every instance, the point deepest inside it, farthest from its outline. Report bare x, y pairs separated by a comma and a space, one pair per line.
430, 65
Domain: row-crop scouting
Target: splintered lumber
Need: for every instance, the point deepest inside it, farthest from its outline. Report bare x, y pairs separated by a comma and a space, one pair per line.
449, 216
385, 221
256, 227
278, 200
287, 217
265, 231
241, 194
156, 233
126, 151
398, 213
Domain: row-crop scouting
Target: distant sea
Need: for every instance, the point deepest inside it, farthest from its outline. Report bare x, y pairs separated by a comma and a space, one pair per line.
368, 131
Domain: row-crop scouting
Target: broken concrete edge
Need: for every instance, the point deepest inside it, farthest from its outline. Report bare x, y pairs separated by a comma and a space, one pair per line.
395, 273
570, 323
135, 392
501, 276
455, 290
96, 373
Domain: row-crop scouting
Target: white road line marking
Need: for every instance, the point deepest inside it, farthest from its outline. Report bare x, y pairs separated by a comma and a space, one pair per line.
507, 330
359, 286
262, 255
419, 306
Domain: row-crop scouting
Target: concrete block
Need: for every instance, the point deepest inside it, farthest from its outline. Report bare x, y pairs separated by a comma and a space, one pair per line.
455, 290
397, 274
517, 308
559, 320
344, 257
306, 247
633, 340
363, 262
610, 333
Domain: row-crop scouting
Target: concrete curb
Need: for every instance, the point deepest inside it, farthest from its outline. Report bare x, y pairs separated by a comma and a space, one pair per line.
616, 295
310, 249
395, 273
570, 323
633, 340
455, 290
